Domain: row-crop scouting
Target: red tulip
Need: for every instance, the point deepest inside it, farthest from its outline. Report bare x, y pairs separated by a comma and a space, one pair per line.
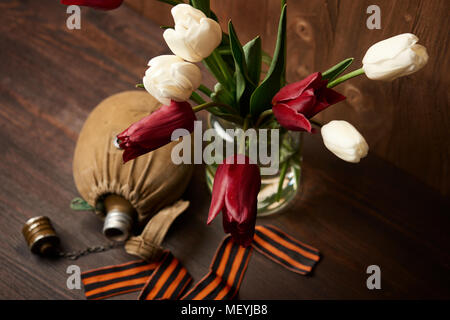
235, 191
97, 4
297, 102
155, 130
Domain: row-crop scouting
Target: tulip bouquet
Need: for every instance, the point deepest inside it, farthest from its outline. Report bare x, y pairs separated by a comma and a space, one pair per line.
249, 97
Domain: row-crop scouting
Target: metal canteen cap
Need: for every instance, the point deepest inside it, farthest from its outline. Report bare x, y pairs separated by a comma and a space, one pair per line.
41, 236
119, 218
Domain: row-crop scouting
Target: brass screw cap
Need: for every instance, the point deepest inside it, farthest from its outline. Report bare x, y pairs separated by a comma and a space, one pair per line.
41, 236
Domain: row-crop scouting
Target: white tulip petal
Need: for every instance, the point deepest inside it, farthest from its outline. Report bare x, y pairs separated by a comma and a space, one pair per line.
164, 60
206, 37
187, 75
171, 78
177, 44
394, 57
341, 138
389, 48
183, 13
194, 36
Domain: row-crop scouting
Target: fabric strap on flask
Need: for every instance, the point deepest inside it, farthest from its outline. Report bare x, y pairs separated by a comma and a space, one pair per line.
168, 279
147, 245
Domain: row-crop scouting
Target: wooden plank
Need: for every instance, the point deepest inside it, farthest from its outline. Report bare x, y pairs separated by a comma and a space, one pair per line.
405, 122
51, 78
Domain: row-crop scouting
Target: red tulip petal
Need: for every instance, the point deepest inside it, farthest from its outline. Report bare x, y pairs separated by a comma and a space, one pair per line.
332, 96
243, 188
162, 122
305, 103
290, 119
132, 153
294, 90
218, 192
326, 97
236, 186
155, 130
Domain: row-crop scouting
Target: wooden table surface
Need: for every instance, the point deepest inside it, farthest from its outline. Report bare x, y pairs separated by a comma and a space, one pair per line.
52, 77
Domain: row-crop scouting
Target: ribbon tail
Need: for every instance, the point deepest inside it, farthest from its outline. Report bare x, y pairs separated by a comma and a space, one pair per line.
283, 249
168, 282
115, 280
225, 275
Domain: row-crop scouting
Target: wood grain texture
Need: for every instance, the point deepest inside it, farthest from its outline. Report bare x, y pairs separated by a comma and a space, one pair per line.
51, 78
406, 122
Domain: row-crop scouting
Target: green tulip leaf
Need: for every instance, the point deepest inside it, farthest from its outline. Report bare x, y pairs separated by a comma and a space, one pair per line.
252, 52
244, 86
202, 5
197, 98
335, 71
79, 204
266, 58
222, 95
275, 77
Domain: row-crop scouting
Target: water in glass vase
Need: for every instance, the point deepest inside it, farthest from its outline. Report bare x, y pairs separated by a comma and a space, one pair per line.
279, 188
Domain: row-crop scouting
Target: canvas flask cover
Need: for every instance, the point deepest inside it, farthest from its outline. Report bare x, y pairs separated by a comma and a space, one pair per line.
150, 183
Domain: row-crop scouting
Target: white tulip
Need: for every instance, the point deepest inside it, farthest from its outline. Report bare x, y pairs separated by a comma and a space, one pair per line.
394, 57
171, 78
341, 138
195, 36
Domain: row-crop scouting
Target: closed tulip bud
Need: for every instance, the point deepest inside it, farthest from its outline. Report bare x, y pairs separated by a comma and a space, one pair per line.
195, 36
341, 138
235, 191
155, 130
97, 4
394, 57
171, 78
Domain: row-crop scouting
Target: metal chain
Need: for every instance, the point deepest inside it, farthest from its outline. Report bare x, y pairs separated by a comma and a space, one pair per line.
74, 255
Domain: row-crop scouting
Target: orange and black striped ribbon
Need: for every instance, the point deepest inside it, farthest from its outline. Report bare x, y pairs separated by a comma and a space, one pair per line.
225, 273
168, 279
285, 250
114, 280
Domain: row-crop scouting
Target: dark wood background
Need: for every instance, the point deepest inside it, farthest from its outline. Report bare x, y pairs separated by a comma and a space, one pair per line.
406, 122
357, 215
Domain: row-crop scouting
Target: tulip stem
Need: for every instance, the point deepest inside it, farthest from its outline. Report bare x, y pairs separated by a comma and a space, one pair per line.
246, 123
241, 149
317, 123
262, 116
205, 90
349, 75
284, 167
196, 97
217, 66
207, 105
222, 66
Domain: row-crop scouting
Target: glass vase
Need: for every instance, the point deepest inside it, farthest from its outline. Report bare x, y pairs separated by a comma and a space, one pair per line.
279, 189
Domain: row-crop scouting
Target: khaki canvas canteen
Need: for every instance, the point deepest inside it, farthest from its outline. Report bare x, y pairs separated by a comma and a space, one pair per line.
136, 190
